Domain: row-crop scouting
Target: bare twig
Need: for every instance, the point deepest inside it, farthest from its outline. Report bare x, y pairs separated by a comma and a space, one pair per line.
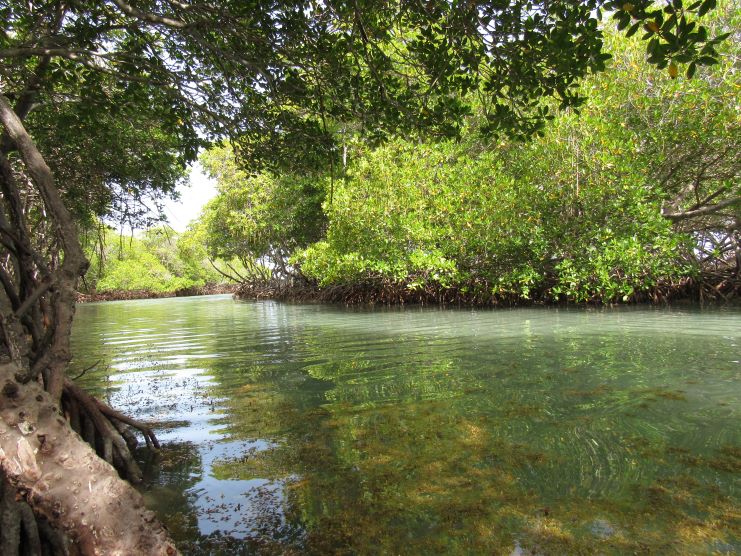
86, 369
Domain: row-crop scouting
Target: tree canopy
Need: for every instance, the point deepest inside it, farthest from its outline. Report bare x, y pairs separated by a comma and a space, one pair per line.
260, 220
272, 73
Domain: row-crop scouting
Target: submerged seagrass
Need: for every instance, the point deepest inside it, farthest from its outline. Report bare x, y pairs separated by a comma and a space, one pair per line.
308, 428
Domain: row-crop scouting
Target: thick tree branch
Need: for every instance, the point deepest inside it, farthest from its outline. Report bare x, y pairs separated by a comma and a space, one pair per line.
40, 290
149, 17
83, 57
709, 209
44, 180
29, 52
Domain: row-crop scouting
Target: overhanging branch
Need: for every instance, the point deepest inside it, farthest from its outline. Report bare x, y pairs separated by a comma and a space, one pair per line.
149, 17
702, 211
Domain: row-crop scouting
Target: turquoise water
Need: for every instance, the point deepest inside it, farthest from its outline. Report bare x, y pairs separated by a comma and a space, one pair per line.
320, 429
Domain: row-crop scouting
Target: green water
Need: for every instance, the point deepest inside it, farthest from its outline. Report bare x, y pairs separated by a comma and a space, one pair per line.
326, 430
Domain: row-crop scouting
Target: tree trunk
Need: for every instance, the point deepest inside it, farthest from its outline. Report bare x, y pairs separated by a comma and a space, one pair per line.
62, 479
73, 264
43, 462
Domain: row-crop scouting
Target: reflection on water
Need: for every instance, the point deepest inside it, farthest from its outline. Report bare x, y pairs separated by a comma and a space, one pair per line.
315, 429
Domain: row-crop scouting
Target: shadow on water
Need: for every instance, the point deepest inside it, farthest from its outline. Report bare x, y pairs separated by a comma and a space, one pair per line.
314, 429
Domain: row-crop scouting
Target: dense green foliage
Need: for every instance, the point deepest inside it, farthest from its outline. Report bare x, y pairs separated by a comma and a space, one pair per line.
259, 220
579, 214
610, 204
158, 261
503, 222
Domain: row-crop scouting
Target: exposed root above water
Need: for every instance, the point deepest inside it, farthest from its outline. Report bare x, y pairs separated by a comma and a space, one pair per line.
109, 432
55, 472
126, 295
22, 532
715, 288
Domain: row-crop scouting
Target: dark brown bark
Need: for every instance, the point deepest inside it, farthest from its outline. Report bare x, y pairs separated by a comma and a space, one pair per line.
10, 521
31, 534
109, 436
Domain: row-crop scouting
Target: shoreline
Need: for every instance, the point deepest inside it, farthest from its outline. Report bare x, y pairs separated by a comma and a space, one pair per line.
130, 295
397, 294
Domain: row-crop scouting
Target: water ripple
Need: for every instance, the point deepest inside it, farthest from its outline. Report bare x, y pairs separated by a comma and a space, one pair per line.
284, 420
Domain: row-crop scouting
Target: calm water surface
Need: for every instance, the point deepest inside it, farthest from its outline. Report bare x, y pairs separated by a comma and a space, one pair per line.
315, 429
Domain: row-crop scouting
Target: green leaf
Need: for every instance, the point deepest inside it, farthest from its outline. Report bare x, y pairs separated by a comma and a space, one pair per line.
706, 6
623, 20
707, 61
633, 29
721, 38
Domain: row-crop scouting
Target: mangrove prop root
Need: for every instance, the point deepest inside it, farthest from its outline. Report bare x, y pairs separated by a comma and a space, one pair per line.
712, 286
31, 533
22, 532
106, 430
147, 432
10, 521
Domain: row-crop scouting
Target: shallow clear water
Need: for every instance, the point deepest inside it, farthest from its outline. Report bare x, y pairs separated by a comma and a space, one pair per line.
315, 429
